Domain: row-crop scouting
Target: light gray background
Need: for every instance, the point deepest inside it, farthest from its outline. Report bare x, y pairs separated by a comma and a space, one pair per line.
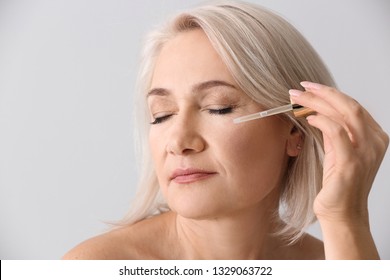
67, 73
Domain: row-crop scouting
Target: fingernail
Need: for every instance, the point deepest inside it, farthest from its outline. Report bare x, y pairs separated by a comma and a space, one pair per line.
295, 92
310, 117
311, 85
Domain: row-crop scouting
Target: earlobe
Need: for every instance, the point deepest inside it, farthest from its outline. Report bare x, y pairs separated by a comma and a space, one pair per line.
294, 142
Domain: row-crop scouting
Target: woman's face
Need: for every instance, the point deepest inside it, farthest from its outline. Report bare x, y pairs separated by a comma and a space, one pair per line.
206, 165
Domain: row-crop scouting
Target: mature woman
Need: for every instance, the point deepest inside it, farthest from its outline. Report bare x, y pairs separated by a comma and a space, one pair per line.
214, 189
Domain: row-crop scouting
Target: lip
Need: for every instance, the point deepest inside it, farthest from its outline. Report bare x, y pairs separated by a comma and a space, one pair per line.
190, 175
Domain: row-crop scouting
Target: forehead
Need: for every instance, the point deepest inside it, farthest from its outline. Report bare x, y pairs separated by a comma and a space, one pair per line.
188, 57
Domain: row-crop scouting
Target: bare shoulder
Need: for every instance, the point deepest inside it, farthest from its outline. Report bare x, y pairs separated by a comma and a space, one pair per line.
309, 248
306, 248
102, 247
137, 241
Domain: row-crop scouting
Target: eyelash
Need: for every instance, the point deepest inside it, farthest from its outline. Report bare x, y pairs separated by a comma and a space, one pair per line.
222, 111
160, 119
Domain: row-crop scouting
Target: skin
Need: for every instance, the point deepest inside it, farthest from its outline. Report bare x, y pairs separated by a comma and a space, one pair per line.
354, 146
225, 210
248, 159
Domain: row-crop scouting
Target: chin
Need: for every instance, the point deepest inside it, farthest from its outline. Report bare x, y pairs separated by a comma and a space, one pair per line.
196, 200
197, 211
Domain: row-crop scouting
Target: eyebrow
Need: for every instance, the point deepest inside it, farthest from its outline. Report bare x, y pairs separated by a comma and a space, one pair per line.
196, 88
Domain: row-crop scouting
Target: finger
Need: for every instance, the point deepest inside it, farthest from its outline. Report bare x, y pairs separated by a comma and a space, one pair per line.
335, 136
320, 105
312, 101
362, 164
358, 120
352, 113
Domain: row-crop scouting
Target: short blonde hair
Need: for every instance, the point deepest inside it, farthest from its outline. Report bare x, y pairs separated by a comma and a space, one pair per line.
266, 56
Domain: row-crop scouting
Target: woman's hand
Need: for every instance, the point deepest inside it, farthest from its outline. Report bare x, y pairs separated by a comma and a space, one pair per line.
354, 147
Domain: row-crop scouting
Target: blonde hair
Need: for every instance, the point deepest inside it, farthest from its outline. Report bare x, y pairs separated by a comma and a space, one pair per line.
266, 56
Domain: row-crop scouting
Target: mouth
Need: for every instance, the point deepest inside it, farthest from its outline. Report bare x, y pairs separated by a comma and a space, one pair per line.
190, 175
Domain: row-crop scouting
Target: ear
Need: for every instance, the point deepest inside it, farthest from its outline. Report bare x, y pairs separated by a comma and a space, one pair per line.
294, 142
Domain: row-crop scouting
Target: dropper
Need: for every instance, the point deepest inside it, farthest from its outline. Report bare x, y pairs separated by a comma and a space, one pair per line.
298, 111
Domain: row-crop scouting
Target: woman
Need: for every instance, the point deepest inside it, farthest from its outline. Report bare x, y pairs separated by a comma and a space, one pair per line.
213, 189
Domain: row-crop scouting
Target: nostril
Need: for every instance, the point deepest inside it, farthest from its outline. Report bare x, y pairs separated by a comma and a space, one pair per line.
186, 145
187, 151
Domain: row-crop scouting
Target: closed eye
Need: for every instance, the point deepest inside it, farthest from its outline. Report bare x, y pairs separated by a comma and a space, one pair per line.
221, 111
161, 119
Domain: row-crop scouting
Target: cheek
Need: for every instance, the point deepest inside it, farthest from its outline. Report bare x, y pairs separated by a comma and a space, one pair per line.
253, 154
157, 149
153, 144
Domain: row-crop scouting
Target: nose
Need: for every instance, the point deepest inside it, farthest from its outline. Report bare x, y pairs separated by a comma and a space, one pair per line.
185, 137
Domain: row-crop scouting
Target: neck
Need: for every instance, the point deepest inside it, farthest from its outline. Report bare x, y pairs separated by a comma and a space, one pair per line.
242, 235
